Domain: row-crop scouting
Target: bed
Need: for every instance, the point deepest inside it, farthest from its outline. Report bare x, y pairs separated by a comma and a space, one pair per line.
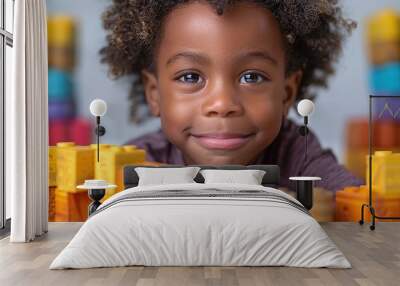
201, 224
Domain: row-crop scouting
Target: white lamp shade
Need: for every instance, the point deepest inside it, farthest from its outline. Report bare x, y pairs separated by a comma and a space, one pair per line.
98, 107
305, 107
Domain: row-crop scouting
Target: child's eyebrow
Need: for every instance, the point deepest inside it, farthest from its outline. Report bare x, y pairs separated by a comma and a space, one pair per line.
204, 59
196, 57
258, 54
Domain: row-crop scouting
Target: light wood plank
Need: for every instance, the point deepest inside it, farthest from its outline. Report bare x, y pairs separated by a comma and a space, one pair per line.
374, 255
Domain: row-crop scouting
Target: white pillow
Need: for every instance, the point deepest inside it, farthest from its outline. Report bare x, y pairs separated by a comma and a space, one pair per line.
248, 177
162, 176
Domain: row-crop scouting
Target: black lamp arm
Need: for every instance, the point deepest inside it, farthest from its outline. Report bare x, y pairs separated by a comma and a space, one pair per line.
100, 131
303, 130
305, 120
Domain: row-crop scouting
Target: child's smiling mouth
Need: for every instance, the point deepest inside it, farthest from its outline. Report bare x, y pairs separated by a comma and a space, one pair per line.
222, 141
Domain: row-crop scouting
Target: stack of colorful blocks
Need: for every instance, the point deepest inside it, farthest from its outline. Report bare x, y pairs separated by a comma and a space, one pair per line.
386, 136
70, 165
385, 190
63, 123
383, 42
384, 52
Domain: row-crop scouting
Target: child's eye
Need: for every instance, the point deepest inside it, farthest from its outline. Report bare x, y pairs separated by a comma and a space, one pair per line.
190, 78
252, 77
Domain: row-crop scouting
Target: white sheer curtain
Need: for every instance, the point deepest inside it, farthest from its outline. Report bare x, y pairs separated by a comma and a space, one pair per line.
27, 124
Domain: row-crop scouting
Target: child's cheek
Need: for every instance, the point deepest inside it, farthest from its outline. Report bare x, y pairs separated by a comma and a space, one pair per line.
265, 110
177, 113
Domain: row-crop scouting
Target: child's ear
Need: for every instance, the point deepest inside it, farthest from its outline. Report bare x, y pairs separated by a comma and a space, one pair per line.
292, 84
151, 91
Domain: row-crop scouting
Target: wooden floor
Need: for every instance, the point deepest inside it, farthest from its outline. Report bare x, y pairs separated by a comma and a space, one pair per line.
374, 255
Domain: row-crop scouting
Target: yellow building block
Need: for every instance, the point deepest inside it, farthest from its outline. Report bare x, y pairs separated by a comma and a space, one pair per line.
52, 166
384, 27
103, 148
112, 161
74, 165
60, 30
385, 174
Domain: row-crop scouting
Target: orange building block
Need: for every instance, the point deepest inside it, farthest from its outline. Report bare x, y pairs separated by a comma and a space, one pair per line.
385, 134
71, 206
52, 166
350, 200
384, 52
357, 134
52, 203
74, 165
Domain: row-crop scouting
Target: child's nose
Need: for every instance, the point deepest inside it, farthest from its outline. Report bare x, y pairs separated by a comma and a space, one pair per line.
223, 101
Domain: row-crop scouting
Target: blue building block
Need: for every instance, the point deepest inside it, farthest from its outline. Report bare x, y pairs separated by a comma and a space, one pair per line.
385, 79
60, 85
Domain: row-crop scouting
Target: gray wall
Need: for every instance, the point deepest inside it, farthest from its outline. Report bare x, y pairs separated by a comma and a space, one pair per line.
345, 98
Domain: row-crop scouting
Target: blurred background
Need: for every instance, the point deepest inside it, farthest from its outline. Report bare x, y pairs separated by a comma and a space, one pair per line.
370, 64
78, 74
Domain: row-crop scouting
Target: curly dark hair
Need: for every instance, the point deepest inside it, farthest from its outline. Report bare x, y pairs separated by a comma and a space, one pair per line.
314, 33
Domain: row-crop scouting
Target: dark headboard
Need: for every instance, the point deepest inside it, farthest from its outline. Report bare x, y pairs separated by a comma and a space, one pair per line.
270, 179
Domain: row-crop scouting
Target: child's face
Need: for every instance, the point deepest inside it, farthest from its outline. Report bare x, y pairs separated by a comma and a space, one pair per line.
220, 86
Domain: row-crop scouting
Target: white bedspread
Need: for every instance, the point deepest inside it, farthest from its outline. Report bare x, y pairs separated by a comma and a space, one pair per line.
183, 231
